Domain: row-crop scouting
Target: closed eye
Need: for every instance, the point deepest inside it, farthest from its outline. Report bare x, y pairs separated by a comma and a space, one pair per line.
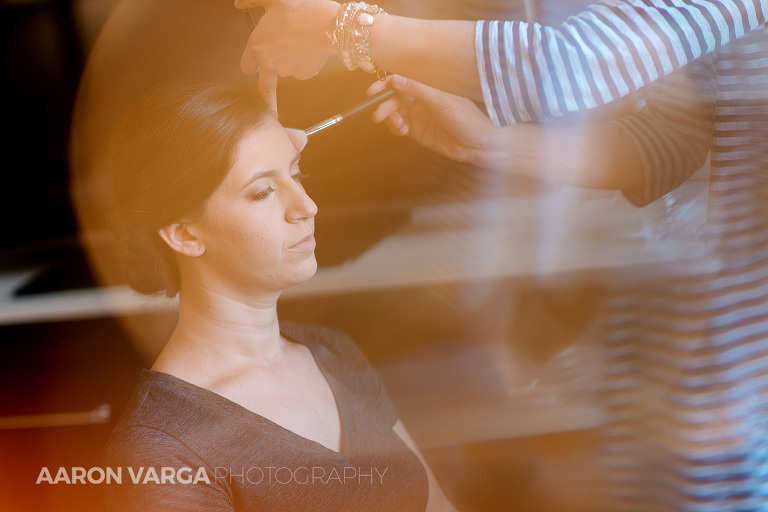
262, 194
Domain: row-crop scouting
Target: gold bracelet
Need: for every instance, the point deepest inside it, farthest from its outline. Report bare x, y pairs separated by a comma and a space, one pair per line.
351, 33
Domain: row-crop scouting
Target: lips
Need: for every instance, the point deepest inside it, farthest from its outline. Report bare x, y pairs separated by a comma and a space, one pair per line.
306, 244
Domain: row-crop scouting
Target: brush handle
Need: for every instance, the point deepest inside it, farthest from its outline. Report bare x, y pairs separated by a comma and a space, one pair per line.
369, 102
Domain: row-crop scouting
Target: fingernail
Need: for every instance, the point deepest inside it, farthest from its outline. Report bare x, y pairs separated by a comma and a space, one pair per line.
399, 80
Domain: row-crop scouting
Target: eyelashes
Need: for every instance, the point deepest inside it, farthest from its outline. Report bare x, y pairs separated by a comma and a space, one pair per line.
264, 193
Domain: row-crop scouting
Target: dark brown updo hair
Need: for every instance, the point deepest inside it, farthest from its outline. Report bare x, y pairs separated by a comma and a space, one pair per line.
168, 153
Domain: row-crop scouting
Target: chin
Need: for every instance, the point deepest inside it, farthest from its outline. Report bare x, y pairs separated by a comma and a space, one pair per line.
312, 268
306, 271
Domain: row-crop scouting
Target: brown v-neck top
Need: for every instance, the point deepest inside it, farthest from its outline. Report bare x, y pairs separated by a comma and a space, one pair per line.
199, 451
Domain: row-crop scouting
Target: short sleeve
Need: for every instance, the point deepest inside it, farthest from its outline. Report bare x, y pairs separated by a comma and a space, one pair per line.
159, 473
384, 403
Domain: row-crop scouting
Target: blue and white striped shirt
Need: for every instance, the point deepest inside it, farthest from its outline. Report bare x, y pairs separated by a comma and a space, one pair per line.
531, 72
685, 387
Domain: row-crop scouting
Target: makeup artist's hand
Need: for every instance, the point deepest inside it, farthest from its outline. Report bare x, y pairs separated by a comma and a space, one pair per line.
450, 125
289, 39
268, 88
298, 138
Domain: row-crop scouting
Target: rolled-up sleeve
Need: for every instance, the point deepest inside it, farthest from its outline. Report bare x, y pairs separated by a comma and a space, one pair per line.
673, 131
533, 72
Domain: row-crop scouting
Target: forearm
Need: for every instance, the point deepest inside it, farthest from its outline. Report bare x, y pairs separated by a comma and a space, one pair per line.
594, 154
439, 53
645, 154
673, 130
590, 156
531, 72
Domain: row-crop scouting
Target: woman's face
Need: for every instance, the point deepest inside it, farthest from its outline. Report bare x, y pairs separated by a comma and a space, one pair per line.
257, 227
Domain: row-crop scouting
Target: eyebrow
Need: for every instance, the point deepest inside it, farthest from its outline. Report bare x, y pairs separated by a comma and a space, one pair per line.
270, 173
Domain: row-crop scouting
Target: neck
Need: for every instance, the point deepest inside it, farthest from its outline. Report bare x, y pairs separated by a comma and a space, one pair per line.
220, 330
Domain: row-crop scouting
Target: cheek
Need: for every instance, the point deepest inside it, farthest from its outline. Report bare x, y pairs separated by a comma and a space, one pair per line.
249, 237
240, 231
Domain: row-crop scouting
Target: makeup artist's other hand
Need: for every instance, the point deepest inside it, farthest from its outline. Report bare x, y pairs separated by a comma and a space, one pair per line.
289, 39
450, 125
268, 88
298, 138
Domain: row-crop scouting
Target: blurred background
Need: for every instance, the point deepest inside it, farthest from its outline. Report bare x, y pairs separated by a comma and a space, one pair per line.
474, 295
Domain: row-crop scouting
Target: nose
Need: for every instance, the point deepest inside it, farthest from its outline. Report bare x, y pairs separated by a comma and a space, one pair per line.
300, 206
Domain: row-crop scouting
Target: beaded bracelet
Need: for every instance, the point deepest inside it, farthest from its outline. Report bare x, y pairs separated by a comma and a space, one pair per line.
351, 33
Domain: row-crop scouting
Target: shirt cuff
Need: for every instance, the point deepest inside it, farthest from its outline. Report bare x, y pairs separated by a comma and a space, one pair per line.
638, 197
485, 74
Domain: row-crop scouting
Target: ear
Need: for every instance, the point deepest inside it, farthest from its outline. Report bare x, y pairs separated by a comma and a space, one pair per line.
179, 238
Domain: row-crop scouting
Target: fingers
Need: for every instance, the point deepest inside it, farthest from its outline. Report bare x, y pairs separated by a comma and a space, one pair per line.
378, 86
398, 124
424, 93
392, 105
389, 107
383, 109
268, 88
298, 138
249, 64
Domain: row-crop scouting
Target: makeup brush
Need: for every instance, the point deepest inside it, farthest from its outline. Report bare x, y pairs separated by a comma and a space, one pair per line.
373, 100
